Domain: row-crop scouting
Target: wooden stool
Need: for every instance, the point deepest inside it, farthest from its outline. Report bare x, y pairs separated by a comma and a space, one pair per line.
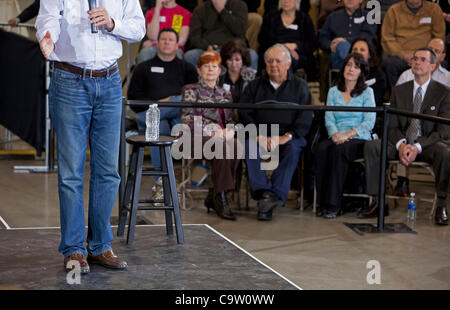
133, 186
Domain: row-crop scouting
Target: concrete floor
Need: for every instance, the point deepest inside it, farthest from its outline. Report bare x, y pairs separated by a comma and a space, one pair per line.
313, 253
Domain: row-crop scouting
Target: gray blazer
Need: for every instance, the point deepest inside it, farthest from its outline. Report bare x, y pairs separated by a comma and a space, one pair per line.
436, 103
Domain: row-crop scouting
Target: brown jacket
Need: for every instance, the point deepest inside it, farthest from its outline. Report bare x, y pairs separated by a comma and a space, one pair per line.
403, 32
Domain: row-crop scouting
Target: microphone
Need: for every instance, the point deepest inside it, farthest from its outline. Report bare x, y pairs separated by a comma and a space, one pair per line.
93, 5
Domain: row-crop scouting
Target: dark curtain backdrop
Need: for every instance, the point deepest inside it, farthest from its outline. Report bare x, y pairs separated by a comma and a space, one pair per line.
22, 88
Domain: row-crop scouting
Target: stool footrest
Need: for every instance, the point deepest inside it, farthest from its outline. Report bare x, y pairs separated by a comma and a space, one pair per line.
154, 173
145, 208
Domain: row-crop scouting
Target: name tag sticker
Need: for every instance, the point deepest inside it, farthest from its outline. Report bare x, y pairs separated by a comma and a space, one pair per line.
293, 27
226, 87
359, 20
433, 108
425, 20
162, 19
157, 69
371, 82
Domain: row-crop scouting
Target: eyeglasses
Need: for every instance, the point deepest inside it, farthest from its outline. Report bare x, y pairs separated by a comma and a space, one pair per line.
422, 59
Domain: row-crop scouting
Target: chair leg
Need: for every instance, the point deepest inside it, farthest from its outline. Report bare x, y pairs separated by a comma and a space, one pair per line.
135, 197
174, 195
127, 195
167, 198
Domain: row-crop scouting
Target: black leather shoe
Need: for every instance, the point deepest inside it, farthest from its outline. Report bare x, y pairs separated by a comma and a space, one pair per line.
222, 207
268, 202
319, 212
265, 216
372, 211
440, 217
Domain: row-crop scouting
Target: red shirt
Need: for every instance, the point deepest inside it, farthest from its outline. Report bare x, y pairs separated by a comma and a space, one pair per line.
174, 18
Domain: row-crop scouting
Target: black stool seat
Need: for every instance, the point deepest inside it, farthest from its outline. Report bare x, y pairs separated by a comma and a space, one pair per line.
140, 140
133, 184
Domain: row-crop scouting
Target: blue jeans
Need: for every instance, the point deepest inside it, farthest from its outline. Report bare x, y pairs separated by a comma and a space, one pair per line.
280, 181
169, 117
193, 55
83, 108
342, 50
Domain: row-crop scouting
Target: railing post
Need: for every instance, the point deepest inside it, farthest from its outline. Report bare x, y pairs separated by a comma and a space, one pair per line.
382, 184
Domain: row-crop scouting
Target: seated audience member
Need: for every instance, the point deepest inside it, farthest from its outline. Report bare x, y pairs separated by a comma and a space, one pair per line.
166, 14
161, 79
438, 74
237, 73
347, 133
413, 139
214, 121
295, 30
375, 78
342, 27
278, 86
214, 23
407, 26
31, 11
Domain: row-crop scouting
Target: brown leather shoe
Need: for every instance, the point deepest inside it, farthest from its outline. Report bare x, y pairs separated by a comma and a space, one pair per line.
80, 258
108, 259
440, 217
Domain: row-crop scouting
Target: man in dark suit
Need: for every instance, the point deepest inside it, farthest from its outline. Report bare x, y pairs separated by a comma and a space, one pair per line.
31, 11
413, 139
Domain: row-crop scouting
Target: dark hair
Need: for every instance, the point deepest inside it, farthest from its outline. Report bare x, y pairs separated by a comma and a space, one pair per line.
370, 46
167, 30
432, 54
236, 46
361, 82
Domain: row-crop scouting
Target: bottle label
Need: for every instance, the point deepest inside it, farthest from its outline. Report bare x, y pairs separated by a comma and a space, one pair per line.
411, 206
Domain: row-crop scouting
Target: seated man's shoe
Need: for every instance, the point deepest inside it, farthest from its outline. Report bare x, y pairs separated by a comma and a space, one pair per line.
222, 207
440, 217
268, 202
402, 187
80, 258
108, 259
372, 211
319, 212
328, 214
265, 216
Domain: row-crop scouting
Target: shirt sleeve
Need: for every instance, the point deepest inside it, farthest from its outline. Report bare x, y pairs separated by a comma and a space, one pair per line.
330, 120
186, 18
366, 126
131, 26
48, 19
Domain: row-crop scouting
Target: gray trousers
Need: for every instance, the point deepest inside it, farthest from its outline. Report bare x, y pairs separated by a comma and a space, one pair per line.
438, 155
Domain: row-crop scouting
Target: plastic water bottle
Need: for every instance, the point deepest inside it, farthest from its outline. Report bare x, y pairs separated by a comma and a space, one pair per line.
152, 123
412, 207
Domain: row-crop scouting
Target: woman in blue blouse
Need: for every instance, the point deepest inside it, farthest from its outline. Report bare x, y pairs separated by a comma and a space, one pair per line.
347, 132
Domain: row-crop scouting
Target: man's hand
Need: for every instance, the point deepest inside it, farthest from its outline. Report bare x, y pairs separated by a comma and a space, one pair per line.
159, 4
219, 5
335, 43
47, 45
447, 17
100, 17
13, 21
407, 153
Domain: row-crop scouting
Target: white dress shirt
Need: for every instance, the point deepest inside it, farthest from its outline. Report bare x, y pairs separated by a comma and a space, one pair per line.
70, 29
441, 75
424, 87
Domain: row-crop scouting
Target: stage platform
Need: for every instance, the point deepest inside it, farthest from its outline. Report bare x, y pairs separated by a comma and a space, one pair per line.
206, 261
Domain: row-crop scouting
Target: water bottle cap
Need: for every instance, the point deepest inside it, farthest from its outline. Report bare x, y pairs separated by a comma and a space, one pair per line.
413, 195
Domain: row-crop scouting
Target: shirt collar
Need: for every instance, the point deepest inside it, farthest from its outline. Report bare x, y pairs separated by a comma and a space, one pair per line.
424, 87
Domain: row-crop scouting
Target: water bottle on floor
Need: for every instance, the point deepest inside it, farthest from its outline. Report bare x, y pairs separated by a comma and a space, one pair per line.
152, 123
412, 207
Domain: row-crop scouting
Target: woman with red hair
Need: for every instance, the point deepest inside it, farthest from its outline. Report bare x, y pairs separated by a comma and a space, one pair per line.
213, 123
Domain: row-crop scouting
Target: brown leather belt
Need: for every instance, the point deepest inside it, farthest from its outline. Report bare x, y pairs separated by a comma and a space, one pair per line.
90, 73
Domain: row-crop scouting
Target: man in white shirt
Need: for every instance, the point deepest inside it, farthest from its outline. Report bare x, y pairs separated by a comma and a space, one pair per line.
85, 100
439, 74
414, 139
